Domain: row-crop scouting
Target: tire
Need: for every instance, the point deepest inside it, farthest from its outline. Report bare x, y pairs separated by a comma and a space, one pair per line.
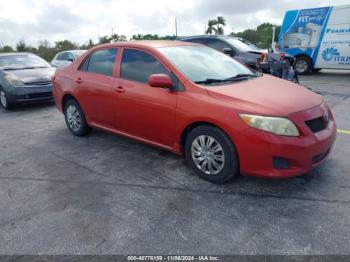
4, 100
303, 65
226, 163
75, 118
316, 70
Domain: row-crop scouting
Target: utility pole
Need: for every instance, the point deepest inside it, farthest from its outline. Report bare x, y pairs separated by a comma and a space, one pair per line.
273, 36
175, 27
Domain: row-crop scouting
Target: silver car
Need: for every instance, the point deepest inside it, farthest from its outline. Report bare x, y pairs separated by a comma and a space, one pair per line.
65, 58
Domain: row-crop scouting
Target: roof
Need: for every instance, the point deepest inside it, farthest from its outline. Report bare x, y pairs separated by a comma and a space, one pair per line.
147, 43
72, 51
204, 36
15, 53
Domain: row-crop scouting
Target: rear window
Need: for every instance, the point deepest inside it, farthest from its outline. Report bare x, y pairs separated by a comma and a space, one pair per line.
100, 62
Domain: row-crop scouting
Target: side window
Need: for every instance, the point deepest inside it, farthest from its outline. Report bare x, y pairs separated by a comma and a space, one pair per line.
70, 57
138, 66
100, 62
217, 44
62, 57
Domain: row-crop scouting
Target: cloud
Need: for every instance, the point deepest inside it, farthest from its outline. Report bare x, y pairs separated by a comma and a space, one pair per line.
79, 20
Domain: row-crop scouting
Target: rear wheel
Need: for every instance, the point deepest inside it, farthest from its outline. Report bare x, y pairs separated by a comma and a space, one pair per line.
211, 154
303, 65
4, 100
75, 118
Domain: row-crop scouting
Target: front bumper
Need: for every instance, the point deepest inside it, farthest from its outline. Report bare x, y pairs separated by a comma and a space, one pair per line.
259, 150
29, 93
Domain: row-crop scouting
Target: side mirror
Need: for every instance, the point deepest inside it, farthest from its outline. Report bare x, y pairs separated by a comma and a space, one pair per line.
160, 80
227, 51
70, 60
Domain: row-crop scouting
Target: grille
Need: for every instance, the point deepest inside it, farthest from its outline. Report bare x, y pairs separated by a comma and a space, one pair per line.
38, 83
39, 95
320, 157
317, 124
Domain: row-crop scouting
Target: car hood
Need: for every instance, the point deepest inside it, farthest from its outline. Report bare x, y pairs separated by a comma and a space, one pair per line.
33, 75
266, 95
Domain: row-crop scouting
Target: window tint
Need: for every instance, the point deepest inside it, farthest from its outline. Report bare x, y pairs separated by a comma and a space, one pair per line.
100, 62
62, 57
70, 56
217, 44
138, 66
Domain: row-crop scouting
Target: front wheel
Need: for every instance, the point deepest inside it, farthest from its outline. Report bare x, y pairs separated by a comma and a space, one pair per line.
75, 118
211, 154
5, 103
303, 65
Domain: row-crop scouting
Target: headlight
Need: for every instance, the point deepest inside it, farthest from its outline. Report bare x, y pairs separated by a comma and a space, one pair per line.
276, 125
14, 80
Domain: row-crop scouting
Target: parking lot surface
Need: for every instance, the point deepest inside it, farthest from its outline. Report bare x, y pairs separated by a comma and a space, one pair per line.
104, 194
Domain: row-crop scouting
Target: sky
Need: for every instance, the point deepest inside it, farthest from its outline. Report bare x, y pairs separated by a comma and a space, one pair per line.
80, 20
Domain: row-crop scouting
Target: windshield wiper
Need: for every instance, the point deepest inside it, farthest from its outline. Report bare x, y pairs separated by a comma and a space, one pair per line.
9, 69
238, 77
210, 81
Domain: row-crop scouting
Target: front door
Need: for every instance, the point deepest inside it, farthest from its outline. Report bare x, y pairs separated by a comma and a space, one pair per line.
144, 111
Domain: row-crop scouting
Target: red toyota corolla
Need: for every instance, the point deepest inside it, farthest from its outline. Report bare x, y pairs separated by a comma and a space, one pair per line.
193, 100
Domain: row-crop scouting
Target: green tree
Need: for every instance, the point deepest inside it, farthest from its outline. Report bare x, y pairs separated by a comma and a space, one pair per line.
65, 45
118, 38
211, 27
21, 46
220, 23
6, 49
87, 45
152, 37
45, 50
261, 36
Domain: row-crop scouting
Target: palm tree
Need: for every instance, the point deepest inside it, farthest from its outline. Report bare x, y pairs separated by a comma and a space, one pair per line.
220, 22
211, 27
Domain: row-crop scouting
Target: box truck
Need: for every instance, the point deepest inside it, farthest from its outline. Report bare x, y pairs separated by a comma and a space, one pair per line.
317, 37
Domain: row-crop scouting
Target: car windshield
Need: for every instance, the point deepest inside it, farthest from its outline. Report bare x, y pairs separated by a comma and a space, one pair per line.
21, 61
204, 65
242, 45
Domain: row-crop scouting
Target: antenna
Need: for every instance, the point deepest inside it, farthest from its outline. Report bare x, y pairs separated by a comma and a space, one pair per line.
175, 27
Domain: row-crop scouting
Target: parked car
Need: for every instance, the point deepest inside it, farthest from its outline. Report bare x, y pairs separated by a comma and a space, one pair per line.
66, 58
195, 101
24, 77
239, 48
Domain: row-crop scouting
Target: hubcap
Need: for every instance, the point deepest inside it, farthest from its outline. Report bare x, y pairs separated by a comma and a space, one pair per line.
73, 118
3, 98
208, 155
301, 66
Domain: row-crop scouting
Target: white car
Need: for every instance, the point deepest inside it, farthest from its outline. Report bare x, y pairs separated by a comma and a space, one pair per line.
65, 58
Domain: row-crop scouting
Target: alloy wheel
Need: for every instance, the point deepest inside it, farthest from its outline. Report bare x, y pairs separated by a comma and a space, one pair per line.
208, 155
301, 66
73, 118
3, 99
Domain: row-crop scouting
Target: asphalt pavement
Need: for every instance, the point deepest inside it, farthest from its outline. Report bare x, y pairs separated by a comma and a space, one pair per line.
105, 194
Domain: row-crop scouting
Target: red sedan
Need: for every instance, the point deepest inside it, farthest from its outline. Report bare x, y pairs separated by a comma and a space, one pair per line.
197, 102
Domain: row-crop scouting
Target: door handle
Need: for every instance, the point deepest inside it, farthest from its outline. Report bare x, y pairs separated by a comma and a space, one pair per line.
78, 80
120, 89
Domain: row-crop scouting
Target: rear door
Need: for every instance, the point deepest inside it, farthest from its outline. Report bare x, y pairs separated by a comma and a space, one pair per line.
94, 87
